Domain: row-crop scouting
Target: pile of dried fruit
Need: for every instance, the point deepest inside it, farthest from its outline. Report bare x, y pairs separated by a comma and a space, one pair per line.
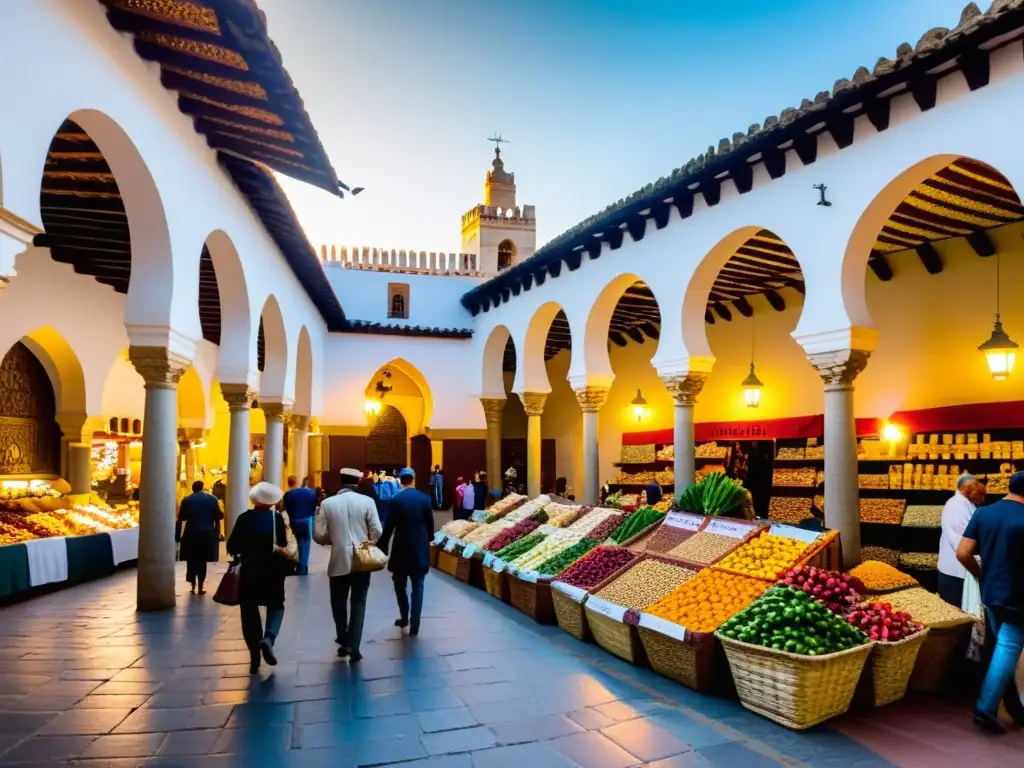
878, 577
927, 608
599, 565
704, 547
792, 510
666, 538
881, 555
922, 516
708, 599
604, 529
458, 528
764, 557
645, 583
928, 561
889, 511
509, 535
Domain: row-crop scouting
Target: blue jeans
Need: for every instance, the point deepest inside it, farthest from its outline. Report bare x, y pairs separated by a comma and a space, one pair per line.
403, 598
999, 683
252, 624
303, 530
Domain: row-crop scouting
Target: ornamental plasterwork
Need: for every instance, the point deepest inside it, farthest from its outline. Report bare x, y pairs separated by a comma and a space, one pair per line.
684, 389
591, 398
494, 407
157, 366
839, 369
239, 397
533, 402
274, 411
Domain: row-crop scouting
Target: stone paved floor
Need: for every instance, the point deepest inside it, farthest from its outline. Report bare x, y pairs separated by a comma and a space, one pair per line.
84, 680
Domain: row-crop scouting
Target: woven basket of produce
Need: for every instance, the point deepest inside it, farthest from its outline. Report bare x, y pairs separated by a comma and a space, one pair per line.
532, 598
615, 636
463, 569
447, 562
476, 572
888, 670
698, 661
496, 584
880, 578
948, 627
794, 690
433, 550
570, 615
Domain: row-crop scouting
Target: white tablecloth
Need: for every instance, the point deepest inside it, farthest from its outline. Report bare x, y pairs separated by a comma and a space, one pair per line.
125, 544
47, 560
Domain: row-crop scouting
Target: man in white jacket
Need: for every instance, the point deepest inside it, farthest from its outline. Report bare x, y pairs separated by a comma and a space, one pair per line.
344, 523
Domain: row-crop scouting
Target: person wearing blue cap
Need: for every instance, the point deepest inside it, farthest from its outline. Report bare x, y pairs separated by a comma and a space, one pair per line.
411, 523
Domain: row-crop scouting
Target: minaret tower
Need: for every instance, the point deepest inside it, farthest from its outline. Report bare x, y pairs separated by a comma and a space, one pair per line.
501, 232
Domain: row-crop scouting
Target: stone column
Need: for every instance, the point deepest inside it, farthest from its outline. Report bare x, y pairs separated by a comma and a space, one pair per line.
591, 399
842, 499
315, 454
239, 400
684, 390
79, 474
161, 371
533, 404
273, 448
298, 449
494, 408
72, 429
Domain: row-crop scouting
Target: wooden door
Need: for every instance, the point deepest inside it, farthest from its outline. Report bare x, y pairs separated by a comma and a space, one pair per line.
419, 459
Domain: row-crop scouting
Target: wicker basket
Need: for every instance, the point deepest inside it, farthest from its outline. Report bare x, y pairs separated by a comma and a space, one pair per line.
447, 562
476, 573
888, 670
434, 549
616, 637
496, 584
463, 569
697, 662
936, 655
570, 615
793, 690
532, 598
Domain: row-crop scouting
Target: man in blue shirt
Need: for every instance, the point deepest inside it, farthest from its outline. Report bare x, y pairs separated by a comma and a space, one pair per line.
996, 533
407, 534
300, 504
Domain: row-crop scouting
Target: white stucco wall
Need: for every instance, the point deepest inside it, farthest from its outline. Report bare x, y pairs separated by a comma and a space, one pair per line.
433, 299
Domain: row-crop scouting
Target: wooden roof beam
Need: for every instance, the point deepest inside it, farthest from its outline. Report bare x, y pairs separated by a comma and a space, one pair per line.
775, 300
743, 307
636, 335
722, 310
880, 266
981, 243
709, 317
930, 258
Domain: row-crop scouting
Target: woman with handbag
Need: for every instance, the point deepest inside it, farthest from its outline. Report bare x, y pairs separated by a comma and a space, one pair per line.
260, 543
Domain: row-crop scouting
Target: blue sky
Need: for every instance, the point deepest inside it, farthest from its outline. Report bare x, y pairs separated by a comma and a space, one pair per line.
597, 98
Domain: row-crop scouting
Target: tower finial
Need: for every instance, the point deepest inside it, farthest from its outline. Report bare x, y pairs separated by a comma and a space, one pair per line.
498, 141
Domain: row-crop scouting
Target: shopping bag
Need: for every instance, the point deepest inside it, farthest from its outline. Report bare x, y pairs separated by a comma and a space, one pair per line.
228, 590
288, 555
367, 558
971, 601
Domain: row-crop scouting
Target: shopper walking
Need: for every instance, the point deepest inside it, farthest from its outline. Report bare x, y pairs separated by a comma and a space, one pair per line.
411, 523
480, 491
300, 504
254, 541
198, 531
346, 521
437, 487
956, 513
465, 494
996, 533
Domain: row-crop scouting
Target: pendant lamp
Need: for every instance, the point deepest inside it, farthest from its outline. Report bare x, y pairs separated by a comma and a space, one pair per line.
752, 385
639, 406
999, 349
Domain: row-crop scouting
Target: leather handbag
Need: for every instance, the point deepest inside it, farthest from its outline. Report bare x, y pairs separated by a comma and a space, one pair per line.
367, 558
228, 590
288, 555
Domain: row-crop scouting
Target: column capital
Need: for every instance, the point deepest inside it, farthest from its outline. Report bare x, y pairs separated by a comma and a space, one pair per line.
854, 337
684, 388
158, 366
239, 397
591, 398
838, 369
533, 402
275, 411
494, 408
314, 425
299, 422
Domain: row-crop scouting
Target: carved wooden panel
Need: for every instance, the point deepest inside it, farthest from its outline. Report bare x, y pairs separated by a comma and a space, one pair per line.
29, 435
386, 442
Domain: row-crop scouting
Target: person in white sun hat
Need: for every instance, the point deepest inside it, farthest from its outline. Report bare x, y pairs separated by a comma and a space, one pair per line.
253, 542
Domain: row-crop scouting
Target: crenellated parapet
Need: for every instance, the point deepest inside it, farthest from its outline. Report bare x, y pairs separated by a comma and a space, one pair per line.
408, 261
519, 215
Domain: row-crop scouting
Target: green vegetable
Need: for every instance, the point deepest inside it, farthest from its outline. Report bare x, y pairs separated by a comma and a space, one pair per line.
636, 522
517, 548
563, 560
713, 495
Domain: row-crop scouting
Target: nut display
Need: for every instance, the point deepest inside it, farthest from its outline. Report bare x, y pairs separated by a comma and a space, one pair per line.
708, 469
782, 509
815, 451
881, 554
889, 511
928, 561
704, 602
458, 528
872, 481
645, 583
486, 531
789, 454
667, 453
879, 577
600, 564
637, 454
711, 450
531, 509
922, 516
927, 608
793, 476
764, 557
704, 547
666, 538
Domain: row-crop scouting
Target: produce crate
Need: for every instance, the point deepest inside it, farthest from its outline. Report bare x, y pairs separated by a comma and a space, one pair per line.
698, 661
570, 615
616, 637
888, 671
825, 553
532, 598
794, 690
434, 549
496, 584
463, 569
476, 573
447, 562
936, 654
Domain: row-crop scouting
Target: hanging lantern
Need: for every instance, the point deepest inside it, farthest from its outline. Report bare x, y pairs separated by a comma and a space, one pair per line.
752, 388
639, 406
1000, 351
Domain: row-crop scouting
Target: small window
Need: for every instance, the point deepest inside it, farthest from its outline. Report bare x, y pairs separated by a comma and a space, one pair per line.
398, 301
506, 251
